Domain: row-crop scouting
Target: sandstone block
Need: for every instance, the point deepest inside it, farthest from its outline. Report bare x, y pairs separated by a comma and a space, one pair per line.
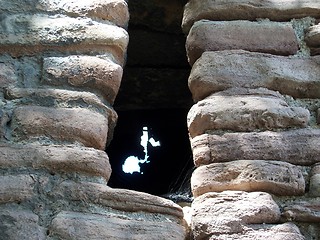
83, 226
267, 37
221, 10
279, 178
220, 70
101, 75
286, 231
299, 147
314, 187
61, 124
61, 33
120, 199
307, 210
244, 113
56, 159
16, 188
20, 224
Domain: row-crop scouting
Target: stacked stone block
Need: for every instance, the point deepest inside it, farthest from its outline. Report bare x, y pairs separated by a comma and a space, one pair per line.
61, 66
254, 127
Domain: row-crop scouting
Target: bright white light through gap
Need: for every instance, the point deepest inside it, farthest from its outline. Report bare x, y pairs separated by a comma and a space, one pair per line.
132, 163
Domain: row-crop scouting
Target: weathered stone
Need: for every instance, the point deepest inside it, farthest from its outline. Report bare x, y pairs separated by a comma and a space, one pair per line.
314, 188
279, 178
61, 159
75, 225
61, 33
244, 113
312, 37
120, 199
101, 75
220, 70
299, 147
61, 124
280, 10
16, 188
19, 224
302, 211
318, 116
267, 37
8, 75
286, 231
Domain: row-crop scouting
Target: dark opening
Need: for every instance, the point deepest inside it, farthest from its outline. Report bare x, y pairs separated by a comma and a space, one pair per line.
169, 162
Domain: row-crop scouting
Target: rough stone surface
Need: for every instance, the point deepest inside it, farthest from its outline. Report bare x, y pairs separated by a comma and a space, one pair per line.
314, 187
7, 75
281, 10
220, 70
302, 211
244, 113
318, 116
16, 188
81, 72
312, 37
267, 37
279, 178
65, 33
75, 225
20, 224
299, 147
61, 159
61, 124
115, 11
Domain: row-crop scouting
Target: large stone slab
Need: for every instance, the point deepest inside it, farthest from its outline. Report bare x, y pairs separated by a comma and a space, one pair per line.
244, 112
73, 125
16, 188
230, 212
267, 37
61, 33
119, 199
217, 71
280, 10
307, 210
299, 147
97, 74
279, 178
115, 11
20, 224
83, 226
56, 159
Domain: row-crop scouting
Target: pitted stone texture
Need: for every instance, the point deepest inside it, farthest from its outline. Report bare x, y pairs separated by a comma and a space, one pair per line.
61, 124
279, 178
229, 212
20, 224
280, 10
314, 188
115, 11
286, 231
83, 226
220, 70
266, 37
16, 188
244, 113
307, 210
61, 33
120, 199
56, 159
81, 72
8, 75
299, 147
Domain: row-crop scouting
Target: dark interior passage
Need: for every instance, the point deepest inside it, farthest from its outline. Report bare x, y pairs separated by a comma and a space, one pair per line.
168, 163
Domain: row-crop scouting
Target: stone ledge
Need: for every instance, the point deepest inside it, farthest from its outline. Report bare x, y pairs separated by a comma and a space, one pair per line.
266, 37
60, 124
300, 147
223, 10
306, 210
56, 159
83, 72
244, 113
217, 71
279, 178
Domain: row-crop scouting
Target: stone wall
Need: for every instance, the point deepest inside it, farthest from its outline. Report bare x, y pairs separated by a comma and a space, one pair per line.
254, 127
61, 65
